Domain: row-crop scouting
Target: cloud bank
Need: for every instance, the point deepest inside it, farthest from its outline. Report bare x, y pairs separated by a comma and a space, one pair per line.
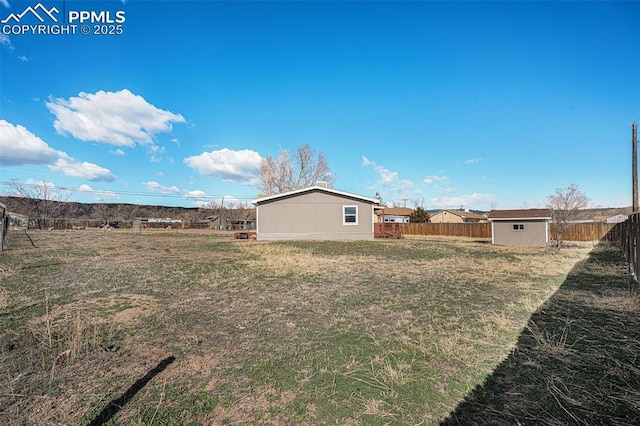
241, 166
18, 146
115, 118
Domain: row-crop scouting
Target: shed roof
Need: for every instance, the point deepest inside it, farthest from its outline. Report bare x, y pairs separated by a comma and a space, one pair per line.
520, 214
316, 188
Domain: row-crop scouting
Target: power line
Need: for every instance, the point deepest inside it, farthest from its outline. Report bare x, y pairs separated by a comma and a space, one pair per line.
128, 193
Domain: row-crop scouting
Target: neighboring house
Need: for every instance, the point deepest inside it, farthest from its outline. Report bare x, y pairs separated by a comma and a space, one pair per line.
528, 227
314, 213
456, 216
213, 221
394, 215
619, 218
154, 222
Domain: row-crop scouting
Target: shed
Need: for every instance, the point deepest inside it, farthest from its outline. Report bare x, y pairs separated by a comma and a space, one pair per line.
314, 213
528, 227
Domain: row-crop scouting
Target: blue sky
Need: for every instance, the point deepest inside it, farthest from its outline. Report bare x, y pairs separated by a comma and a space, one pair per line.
453, 104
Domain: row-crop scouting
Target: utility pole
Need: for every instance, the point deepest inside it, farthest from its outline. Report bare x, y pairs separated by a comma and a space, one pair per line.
634, 165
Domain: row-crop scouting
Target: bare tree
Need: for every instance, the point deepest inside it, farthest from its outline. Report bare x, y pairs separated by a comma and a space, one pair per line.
378, 197
565, 203
293, 171
41, 202
419, 214
239, 215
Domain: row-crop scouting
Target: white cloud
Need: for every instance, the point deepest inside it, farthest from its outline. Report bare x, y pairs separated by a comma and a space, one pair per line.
196, 193
231, 202
198, 197
5, 3
116, 118
241, 166
41, 183
154, 186
19, 146
156, 152
389, 182
472, 161
448, 190
6, 41
118, 152
473, 201
85, 170
23, 58
366, 162
435, 178
52, 191
99, 194
386, 176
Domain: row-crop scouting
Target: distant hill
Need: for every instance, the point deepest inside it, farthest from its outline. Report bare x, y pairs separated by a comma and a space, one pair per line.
100, 211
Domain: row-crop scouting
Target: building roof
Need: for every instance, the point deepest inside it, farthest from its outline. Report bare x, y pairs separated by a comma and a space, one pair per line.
596, 214
463, 214
395, 211
316, 188
520, 214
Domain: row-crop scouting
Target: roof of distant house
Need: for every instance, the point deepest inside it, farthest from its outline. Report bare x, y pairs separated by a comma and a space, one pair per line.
395, 211
314, 189
520, 214
464, 214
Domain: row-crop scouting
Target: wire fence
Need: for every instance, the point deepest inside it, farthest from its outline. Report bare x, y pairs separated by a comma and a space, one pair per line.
58, 224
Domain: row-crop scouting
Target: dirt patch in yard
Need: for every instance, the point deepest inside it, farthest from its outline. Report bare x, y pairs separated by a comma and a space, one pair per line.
125, 309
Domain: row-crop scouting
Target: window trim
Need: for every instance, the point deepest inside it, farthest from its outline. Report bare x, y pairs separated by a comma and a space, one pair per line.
344, 215
518, 227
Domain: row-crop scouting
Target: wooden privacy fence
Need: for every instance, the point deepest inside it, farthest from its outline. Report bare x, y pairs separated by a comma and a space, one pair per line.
473, 230
387, 230
4, 225
594, 231
630, 241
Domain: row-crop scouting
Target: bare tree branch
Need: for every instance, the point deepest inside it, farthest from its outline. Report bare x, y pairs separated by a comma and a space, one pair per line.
293, 171
41, 202
565, 203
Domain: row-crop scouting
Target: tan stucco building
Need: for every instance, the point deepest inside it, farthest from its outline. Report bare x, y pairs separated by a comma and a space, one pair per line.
314, 213
456, 216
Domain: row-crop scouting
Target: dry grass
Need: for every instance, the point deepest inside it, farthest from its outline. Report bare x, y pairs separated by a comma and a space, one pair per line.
4, 302
577, 360
288, 332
